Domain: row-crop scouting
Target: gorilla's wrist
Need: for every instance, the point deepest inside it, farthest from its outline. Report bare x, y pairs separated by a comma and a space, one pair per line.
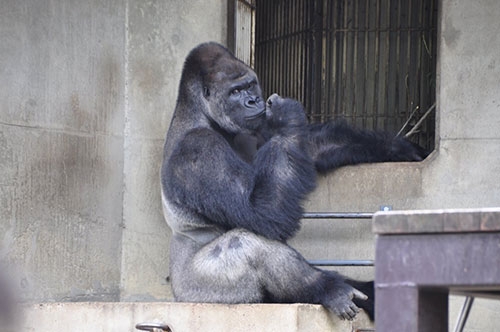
290, 130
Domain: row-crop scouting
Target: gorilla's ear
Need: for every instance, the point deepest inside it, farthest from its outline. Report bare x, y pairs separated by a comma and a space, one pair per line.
206, 92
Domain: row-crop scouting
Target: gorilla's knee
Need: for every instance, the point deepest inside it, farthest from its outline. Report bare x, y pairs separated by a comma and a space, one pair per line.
234, 243
215, 252
227, 256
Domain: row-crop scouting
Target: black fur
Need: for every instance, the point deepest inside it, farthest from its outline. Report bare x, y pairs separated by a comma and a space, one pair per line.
335, 144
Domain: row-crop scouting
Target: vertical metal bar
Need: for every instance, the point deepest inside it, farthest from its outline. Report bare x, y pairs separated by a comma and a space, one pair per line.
371, 60
364, 58
280, 54
297, 43
354, 59
231, 38
392, 66
329, 49
316, 55
343, 77
286, 49
409, 101
385, 97
376, 89
293, 48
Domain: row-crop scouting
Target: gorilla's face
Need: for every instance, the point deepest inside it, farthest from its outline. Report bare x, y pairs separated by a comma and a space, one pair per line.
234, 97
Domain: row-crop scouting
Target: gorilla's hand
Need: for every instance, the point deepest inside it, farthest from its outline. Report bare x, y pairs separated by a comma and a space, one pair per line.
283, 113
340, 301
403, 150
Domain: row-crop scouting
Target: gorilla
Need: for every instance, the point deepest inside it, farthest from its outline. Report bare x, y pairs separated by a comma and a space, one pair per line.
235, 172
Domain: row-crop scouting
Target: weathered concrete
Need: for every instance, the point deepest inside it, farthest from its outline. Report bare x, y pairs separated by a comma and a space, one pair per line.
119, 317
61, 142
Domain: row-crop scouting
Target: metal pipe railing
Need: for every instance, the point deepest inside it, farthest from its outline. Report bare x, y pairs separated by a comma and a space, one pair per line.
339, 215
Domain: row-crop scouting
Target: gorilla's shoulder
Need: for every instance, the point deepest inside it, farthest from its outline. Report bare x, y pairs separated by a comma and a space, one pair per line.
201, 141
202, 136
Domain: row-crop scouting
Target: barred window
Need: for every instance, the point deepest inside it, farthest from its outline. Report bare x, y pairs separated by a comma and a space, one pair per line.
371, 62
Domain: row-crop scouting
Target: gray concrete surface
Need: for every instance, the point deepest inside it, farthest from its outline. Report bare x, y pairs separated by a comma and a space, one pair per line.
123, 316
88, 89
61, 146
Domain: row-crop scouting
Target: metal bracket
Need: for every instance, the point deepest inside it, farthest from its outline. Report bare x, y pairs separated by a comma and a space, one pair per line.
153, 327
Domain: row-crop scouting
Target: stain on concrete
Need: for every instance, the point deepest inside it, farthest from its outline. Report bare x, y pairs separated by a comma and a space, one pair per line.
450, 33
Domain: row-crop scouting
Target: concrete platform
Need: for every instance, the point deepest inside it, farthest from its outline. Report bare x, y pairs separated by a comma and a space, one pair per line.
182, 317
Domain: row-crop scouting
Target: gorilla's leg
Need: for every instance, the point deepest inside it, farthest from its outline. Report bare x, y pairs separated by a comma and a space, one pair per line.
217, 272
240, 266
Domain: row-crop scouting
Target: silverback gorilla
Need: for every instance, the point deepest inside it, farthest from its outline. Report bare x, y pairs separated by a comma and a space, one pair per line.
234, 174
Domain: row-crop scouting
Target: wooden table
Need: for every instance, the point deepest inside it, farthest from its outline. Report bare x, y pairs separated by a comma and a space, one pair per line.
422, 256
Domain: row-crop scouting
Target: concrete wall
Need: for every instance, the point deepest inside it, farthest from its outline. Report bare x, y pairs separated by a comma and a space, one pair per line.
61, 146
88, 88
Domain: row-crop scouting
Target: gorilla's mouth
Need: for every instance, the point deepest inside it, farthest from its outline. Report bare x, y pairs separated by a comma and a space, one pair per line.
256, 115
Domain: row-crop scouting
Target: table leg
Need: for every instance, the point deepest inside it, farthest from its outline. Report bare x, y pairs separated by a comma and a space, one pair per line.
410, 309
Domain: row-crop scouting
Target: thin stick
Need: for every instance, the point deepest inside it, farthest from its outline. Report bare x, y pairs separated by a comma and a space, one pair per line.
407, 121
414, 129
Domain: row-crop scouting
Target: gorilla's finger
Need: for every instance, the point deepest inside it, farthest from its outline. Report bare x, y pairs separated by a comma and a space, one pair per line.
272, 98
356, 294
351, 312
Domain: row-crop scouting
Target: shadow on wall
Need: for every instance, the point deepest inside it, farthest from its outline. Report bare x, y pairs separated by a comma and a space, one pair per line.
8, 304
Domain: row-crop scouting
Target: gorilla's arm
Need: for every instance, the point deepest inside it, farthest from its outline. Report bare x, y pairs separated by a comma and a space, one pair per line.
336, 144
246, 145
332, 144
211, 180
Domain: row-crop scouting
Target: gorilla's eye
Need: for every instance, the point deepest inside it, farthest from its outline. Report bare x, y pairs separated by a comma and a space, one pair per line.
235, 92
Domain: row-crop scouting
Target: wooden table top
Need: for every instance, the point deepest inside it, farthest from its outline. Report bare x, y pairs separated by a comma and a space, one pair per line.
437, 221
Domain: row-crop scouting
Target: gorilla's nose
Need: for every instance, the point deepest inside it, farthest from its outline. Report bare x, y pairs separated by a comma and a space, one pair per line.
273, 98
254, 102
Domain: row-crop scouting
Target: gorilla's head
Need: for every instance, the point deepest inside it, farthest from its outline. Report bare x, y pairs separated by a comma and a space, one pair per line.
228, 90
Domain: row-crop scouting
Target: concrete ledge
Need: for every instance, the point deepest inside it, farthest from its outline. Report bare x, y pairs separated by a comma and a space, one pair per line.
182, 317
